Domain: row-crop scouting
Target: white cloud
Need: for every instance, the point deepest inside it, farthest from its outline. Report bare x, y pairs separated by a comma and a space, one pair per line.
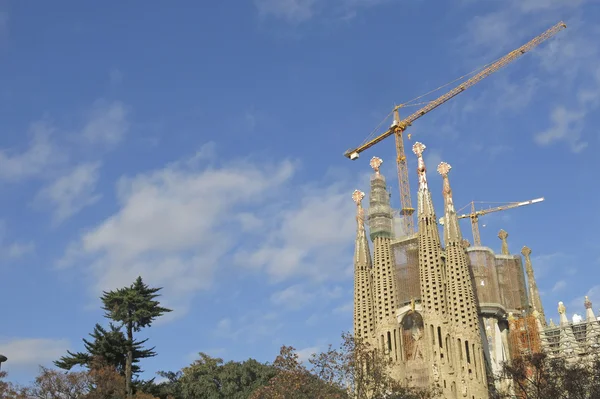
559, 286
107, 123
17, 250
175, 225
298, 296
249, 327
72, 192
13, 250
40, 154
546, 263
567, 126
305, 353
347, 307
298, 11
307, 238
31, 352
293, 11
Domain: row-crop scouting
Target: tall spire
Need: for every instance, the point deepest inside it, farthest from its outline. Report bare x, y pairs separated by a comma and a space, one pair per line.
363, 285
462, 305
534, 294
380, 211
430, 249
503, 235
451, 228
433, 279
425, 204
385, 283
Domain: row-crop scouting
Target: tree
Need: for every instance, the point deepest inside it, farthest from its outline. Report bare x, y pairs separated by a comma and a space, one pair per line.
210, 377
109, 345
101, 381
294, 381
363, 371
539, 377
170, 388
52, 384
136, 308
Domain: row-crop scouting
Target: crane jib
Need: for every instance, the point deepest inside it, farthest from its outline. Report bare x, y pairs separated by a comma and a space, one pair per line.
508, 58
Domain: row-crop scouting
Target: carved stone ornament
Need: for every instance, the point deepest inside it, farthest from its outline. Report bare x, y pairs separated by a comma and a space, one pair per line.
376, 164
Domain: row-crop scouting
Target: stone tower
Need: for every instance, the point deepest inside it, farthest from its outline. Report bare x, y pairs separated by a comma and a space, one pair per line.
364, 323
385, 284
469, 365
534, 294
433, 281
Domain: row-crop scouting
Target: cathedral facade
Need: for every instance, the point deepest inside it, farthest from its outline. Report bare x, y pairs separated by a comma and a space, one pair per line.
437, 306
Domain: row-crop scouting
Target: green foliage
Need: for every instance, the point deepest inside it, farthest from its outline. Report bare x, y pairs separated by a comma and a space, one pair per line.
294, 381
209, 377
136, 308
169, 388
109, 345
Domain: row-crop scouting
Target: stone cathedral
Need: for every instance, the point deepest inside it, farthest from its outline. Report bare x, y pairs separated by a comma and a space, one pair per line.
437, 306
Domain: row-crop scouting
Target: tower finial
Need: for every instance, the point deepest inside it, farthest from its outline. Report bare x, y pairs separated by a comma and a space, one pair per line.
418, 149
443, 169
503, 235
376, 164
451, 228
357, 197
589, 312
562, 312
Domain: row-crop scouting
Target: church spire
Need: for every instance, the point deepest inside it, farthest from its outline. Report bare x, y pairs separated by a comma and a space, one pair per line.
385, 283
451, 228
430, 248
462, 305
534, 294
363, 285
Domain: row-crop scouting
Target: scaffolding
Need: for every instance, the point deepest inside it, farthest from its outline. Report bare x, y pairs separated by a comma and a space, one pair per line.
511, 280
524, 337
406, 256
485, 277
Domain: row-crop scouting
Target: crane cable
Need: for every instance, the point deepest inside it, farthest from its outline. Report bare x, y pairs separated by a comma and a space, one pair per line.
408, 103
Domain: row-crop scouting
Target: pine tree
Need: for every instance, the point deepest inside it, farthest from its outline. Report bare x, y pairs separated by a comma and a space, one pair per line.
136, 308
108, 345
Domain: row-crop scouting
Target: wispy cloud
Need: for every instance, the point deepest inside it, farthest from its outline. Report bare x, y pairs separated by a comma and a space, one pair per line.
249, 327
31, 352
566, 126
13, 250
299, 11
72, 192
41, 154
107, 123
293, 11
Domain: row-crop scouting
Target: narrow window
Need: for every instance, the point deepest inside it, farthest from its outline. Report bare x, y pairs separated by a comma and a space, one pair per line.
467, 352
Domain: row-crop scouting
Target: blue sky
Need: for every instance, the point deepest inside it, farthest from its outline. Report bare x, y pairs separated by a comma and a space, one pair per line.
201, 147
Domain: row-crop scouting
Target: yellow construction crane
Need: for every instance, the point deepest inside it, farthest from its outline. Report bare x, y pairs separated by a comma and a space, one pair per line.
474, 215
399, 126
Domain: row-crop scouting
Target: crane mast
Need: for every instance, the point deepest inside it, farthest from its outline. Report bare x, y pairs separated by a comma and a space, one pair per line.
399, 126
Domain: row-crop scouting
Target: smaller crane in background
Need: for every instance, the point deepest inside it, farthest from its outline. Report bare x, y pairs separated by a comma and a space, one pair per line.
474, 215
